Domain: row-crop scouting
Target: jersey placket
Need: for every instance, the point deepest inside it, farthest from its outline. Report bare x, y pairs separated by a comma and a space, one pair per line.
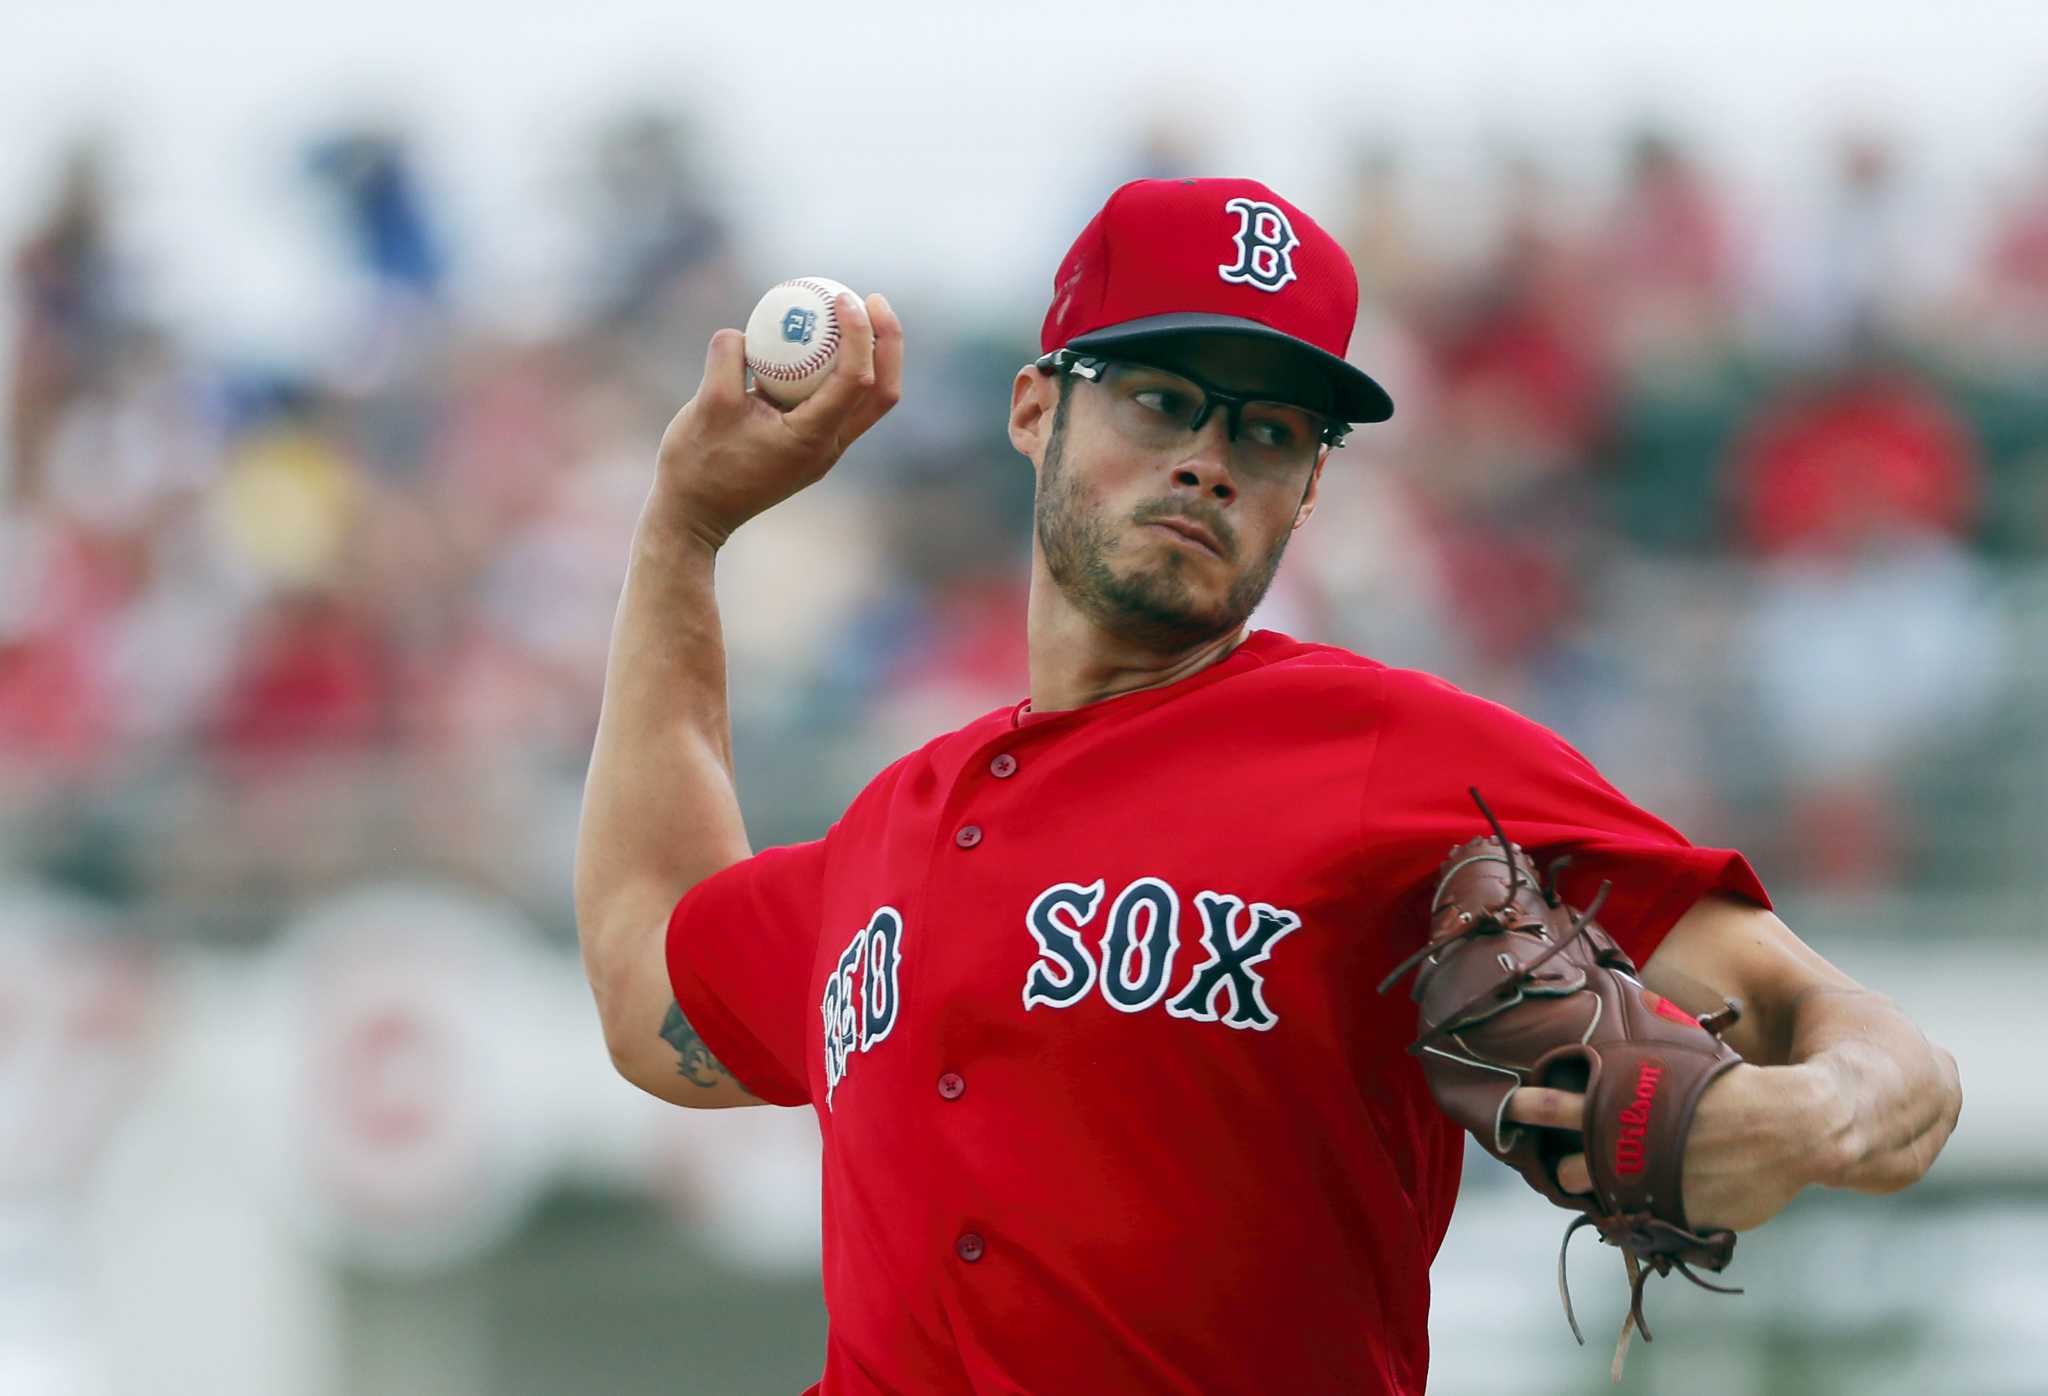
971, 851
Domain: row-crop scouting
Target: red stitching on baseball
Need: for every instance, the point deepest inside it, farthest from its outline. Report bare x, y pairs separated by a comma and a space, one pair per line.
820, 353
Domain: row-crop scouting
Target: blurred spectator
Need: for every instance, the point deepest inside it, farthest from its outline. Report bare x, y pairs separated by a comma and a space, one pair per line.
1519, 389
2017, 263
2018, 259
288, 498
1378, 229
1399, 279
1173, 144
311, 679
944, 635
1862, 266
1869, 634
1665, 259
1663, 263
1667, 234
136, 444
1839, 467
661, 265
390, 361
1164, 136
657, 225
383, 209
1862, 663
69, 314
2004, 328
51, 707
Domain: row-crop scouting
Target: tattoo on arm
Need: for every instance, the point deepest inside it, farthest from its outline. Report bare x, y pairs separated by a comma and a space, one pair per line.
694, 1061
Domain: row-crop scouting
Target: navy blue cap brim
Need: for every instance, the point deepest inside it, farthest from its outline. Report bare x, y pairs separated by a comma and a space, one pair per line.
1354, 396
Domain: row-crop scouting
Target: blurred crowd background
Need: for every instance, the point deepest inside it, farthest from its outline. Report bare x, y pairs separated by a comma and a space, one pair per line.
1749, 507
300, 657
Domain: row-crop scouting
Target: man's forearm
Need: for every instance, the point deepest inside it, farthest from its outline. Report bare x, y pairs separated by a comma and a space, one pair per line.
660, 810
1895, 1095
660, 813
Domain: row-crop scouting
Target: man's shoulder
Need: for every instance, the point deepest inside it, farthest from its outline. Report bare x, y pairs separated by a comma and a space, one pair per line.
1417, 690
1280, 658
1405, 698
1430, 715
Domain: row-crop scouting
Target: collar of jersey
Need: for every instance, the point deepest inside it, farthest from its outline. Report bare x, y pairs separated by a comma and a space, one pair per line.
1250, 651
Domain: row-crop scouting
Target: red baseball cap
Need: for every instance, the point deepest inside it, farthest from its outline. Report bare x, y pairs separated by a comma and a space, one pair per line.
1170, 257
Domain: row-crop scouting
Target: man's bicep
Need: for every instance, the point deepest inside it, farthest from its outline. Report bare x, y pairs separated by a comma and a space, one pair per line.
1725, 947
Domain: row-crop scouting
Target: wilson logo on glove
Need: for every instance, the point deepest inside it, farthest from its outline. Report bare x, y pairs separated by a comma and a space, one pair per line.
1635, 1121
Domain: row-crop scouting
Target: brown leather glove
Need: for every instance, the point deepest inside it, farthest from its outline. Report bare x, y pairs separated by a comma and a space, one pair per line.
1516, 989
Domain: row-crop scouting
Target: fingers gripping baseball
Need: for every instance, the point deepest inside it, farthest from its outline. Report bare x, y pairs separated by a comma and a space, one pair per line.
731, 454
866, 379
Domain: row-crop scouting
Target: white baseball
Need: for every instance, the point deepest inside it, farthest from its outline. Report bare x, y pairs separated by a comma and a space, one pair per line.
793, 337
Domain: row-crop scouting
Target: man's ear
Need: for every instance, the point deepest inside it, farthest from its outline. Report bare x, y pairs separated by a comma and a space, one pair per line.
1308, 497
1033, 396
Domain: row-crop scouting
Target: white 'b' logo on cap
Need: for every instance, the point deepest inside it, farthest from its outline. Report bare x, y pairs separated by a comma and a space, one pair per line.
1265, 246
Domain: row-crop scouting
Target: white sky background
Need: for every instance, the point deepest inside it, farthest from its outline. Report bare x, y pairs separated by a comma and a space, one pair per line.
949, 149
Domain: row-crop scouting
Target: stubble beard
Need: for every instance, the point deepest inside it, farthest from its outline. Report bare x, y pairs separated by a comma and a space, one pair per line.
1150, 604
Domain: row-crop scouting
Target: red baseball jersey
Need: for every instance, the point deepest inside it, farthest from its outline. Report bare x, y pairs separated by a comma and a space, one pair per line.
1084, 1004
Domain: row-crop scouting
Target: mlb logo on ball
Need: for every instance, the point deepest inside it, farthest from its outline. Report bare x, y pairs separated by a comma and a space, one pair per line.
797, 325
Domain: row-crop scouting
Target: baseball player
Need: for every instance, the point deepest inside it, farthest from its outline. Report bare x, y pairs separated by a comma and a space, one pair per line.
1083, 992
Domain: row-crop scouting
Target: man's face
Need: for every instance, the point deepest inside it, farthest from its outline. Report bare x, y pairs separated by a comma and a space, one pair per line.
1118, 498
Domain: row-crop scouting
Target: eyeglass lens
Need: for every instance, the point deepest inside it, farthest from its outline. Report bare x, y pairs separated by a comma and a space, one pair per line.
1157, 408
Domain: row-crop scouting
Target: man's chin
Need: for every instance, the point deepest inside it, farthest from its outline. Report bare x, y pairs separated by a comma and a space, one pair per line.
1160, 616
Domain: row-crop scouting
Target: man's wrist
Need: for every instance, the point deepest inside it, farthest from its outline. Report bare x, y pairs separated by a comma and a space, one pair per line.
670, 527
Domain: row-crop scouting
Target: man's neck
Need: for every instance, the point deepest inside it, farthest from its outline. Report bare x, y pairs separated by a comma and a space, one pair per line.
1075, 662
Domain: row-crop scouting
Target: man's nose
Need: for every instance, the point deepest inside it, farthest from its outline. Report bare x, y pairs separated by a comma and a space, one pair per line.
1206, 467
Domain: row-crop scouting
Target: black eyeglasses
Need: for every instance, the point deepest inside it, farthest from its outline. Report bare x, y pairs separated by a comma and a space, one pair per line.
1154, 405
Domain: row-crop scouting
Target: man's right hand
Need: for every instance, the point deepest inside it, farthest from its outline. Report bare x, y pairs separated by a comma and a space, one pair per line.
731, 454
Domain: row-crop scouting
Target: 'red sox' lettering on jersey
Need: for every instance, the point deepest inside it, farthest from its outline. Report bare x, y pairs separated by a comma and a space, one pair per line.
861, 994
1140, 939
1635, 1121
1093, 985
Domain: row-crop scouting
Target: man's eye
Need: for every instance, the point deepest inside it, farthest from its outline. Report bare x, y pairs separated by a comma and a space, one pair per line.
1164, 401
1277, 434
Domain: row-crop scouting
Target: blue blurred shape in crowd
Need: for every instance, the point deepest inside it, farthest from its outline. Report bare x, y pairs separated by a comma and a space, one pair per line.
383, 208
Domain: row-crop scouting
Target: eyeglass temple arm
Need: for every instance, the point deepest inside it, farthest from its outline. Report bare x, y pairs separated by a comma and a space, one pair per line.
1066, 360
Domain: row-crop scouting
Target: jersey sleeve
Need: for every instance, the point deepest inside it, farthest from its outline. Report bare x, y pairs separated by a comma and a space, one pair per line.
1435, 741
740, 950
